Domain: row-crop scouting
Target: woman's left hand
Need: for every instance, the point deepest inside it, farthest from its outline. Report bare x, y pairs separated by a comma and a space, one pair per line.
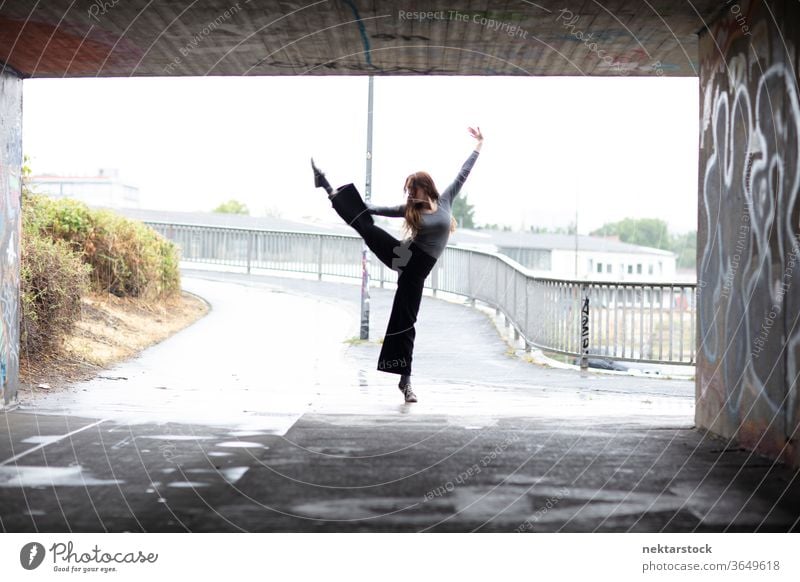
476, 133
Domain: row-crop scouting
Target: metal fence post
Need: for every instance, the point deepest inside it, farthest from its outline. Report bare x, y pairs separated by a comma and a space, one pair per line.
525, 327
319, 258
469, 278
249, 249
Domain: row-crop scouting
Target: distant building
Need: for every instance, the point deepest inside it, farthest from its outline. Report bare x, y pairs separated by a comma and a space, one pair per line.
554, 255
105, 189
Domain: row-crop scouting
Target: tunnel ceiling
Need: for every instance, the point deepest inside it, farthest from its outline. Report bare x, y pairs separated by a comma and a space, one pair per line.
83, 38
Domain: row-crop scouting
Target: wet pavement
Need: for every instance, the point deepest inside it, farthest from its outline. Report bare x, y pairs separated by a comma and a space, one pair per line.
264, 417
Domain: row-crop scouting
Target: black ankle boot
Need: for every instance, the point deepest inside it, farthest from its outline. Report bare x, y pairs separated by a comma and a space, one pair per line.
405, 388
319, 179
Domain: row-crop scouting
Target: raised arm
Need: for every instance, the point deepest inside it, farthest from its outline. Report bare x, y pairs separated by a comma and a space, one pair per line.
453, 189
396, 211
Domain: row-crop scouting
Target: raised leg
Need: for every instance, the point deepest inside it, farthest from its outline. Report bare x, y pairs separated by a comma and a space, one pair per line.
350, 206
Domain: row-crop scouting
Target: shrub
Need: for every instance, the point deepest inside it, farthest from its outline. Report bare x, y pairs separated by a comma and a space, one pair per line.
127, 258
52, 279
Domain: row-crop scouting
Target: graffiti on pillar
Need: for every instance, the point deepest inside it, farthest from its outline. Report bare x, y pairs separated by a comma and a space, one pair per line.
10, 164
748, 243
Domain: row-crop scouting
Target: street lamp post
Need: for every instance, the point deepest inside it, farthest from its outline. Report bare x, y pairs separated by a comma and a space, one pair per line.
364, 250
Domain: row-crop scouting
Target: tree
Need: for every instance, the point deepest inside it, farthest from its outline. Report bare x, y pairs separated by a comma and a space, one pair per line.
26, 167
232, 207
463, 212
685, 246
646, 232
569, 229
653, 232
494, 226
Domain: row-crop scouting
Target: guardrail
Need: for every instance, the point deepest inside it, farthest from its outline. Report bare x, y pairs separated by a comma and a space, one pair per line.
638, 321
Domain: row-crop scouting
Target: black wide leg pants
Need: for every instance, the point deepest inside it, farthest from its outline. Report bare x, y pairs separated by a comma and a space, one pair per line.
412, 265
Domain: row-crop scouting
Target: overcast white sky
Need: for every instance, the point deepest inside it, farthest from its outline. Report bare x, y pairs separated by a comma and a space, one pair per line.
619, 146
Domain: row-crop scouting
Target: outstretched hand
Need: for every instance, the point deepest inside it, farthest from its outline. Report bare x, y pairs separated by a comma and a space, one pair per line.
476, 133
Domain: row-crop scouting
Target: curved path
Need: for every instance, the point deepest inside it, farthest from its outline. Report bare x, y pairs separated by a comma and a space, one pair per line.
263, 417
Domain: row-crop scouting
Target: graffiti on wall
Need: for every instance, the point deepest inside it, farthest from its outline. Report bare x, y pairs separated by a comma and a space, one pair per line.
10, 165
748, 241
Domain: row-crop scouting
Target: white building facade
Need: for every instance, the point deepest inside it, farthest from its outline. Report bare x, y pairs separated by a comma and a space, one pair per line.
584, 258
644, 264
106, 189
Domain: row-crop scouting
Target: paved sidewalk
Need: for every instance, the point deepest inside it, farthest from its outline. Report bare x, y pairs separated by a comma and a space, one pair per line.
261, 417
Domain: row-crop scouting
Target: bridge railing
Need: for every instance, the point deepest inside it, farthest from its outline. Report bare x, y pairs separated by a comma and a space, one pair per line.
631, 321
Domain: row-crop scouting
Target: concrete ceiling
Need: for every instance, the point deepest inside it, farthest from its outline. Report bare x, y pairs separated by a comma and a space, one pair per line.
84, 38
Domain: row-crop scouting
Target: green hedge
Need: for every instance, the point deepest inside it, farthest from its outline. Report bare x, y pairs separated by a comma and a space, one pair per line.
68, 249
127, 258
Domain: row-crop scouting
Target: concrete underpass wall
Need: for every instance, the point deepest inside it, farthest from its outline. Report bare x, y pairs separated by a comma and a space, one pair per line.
10, 192
749, 217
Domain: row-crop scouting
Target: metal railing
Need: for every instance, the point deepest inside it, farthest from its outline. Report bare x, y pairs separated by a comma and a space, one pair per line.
642, 322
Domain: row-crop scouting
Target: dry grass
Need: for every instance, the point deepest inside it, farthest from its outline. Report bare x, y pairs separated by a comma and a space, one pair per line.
111, 329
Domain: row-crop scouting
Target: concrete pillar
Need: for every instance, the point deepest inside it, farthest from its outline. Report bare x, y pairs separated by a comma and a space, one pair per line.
749, 228
10, 222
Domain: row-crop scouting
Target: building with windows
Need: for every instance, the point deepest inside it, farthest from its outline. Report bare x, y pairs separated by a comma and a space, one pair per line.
106, 189
564, 256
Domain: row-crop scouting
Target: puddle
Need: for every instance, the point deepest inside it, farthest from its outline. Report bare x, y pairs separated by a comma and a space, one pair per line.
43, 439
242, 445
40, 476
175, 437
187, 484
233, 474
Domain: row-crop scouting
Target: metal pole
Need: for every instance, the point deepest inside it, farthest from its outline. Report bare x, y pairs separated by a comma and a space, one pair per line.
249, 250
319, 258
364, 250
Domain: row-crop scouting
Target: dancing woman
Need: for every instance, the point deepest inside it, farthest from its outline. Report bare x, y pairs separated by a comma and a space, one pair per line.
429, 222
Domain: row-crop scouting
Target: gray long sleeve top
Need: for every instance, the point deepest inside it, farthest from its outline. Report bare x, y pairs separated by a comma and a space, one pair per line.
435, 229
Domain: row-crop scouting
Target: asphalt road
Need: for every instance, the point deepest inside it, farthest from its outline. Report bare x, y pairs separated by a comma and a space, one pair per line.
264, 417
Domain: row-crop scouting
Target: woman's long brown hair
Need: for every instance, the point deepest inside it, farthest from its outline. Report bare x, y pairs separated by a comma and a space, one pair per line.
422, 184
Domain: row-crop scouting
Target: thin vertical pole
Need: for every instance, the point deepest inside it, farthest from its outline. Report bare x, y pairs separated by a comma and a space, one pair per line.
364, 250
249, 249
319, 258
